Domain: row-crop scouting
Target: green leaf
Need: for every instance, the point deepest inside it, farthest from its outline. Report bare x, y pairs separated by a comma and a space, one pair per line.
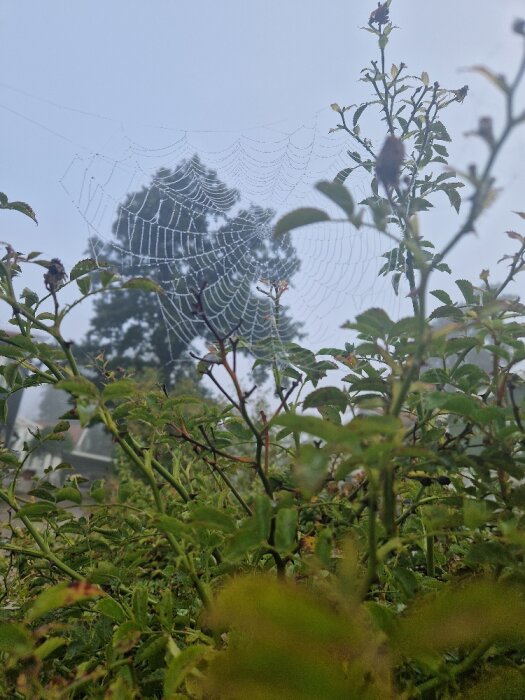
119, 389
87, 411
153, 651
84, 285
460, 404
342, 175
292, 644
475, 513
143, 284
310, 469
78, 386
286, 529
246, 539
298, 218
406, 580
110, 608
15, 639
107, 276
165, 610
326, 396
489, 554
373, 322
61, 427
461, 616
174, 526
359, 428
126, 636
61, 596
447, 311
36, 510
179, 667
442, 150
443, 297
467, 290
30, 298
453, 197
358, 112
21, 207
338, 194
440, 132
84, 266
435, 376
10, 351
262, 516
68, 493
139, 604
48, 647
212, 518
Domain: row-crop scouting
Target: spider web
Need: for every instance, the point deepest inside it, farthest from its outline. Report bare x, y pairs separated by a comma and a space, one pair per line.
273, 167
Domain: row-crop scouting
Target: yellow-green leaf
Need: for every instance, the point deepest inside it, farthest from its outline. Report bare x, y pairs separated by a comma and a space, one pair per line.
61, 596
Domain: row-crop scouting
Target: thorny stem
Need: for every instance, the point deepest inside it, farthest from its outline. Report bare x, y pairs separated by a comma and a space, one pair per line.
147, 470
454, 671
215, 467
266, 441
241, 403
476, 206
46, 552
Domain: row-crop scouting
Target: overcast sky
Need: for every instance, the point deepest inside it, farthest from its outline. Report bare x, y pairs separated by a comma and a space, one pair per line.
82, 77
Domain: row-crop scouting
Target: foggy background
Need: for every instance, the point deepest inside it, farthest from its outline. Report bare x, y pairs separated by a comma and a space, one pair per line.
82, 82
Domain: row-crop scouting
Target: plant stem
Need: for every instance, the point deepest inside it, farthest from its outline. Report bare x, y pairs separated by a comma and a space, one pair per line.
431, 568
454, 671
372, 538
389, 500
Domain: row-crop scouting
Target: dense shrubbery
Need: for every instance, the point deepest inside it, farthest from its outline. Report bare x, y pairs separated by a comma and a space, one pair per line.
372, 550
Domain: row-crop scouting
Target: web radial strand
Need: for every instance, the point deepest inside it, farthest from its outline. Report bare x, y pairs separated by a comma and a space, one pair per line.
202, 211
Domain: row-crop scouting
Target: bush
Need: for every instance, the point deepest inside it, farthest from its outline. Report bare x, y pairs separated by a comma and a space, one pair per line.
371, 547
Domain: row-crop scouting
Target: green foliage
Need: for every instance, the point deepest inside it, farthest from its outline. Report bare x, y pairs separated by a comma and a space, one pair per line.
361, 539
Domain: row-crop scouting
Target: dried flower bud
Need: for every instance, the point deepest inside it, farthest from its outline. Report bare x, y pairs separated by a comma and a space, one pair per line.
380, 15
389, 161
281, 287
485, 130
484, 275
461, 93
518, 26
55, 275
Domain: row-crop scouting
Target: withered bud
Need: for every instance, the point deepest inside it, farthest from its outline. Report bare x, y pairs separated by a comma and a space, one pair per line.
380, 15
55, 275
518, 26
389, 162
281, 286
461, 93
485, 130
473, 171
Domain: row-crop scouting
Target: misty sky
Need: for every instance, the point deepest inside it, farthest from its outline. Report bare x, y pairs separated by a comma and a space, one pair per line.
80, 78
